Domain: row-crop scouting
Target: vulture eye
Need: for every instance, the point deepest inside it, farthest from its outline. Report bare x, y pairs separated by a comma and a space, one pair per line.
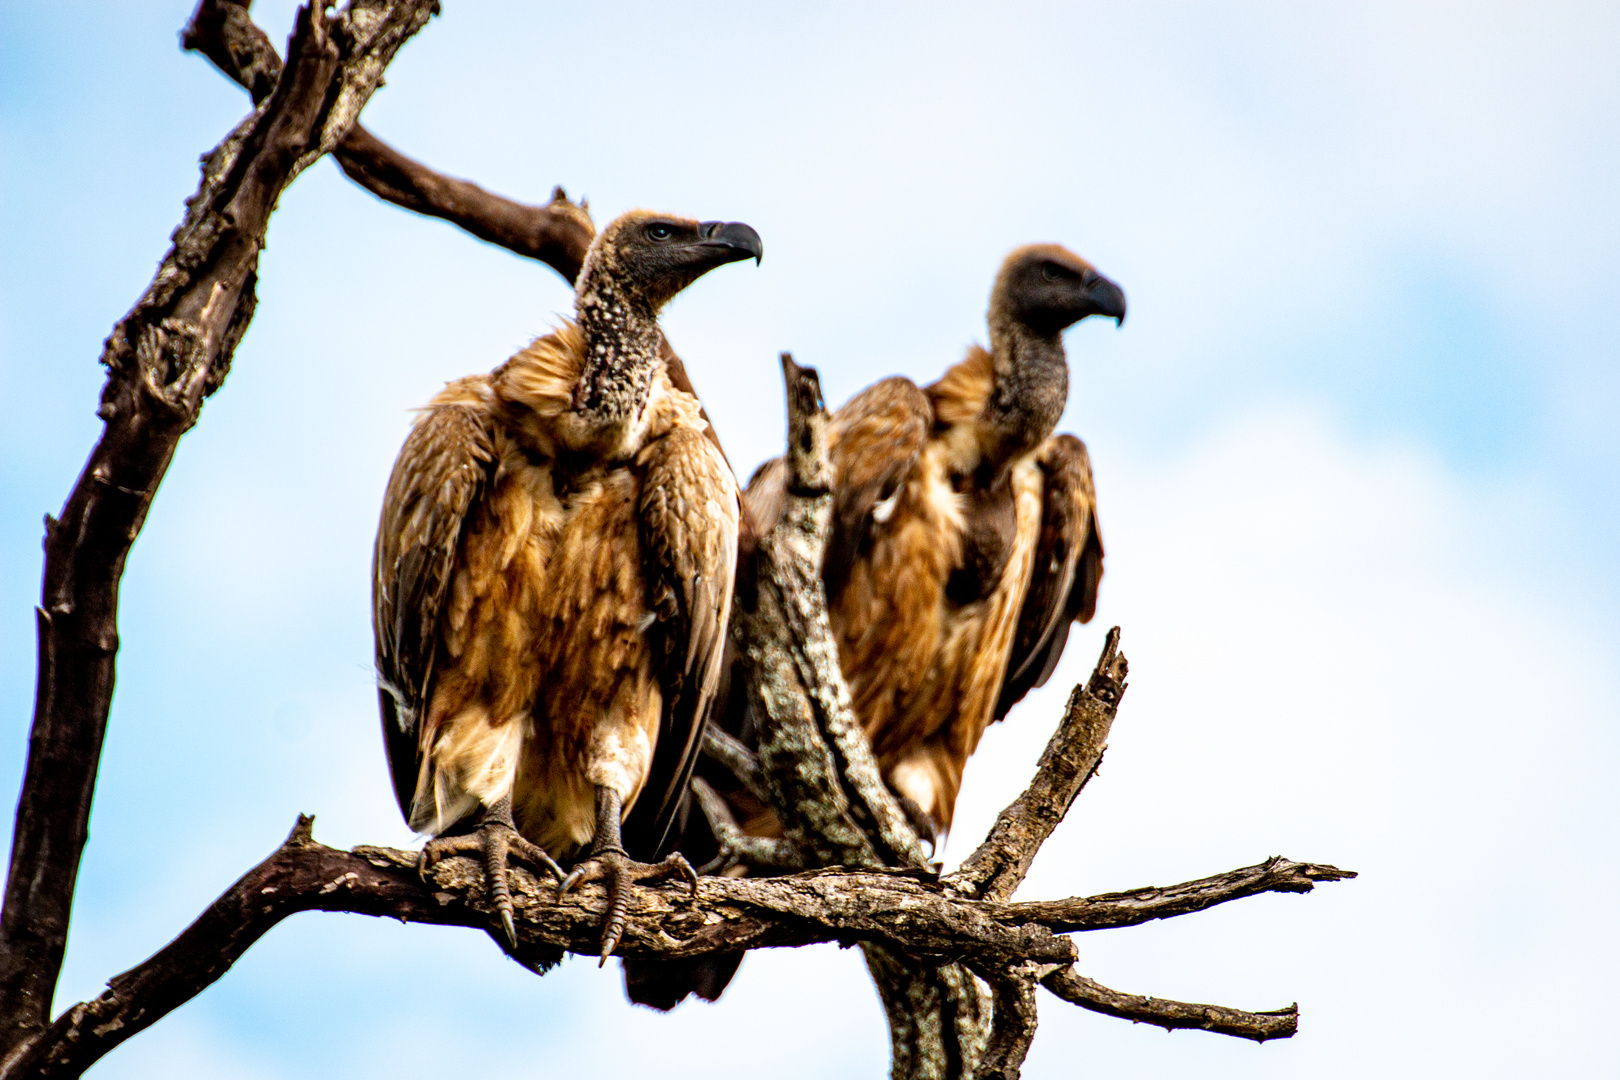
1050, 272
659, 231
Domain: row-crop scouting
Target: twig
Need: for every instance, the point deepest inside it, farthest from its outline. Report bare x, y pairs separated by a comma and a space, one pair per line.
1110, 911
738, 760
171, 351
1089, 994
737, 847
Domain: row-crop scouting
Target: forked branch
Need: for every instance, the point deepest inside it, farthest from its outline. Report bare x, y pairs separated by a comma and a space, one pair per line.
902, 911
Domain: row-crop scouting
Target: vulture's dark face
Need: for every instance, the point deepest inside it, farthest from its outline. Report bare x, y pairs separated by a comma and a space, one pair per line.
1050, 288
654, 256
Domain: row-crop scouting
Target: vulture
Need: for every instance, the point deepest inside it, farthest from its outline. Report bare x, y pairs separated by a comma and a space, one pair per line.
964, 532
962, 546
551, 584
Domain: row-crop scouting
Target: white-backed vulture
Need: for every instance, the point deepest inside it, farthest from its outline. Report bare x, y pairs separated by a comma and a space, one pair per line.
552, 579
964, 539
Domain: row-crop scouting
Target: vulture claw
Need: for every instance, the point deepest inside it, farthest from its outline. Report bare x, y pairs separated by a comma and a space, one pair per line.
494, 841
617, 872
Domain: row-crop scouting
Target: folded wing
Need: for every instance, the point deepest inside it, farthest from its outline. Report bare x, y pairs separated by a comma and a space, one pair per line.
1067, 569
442, 471
689, 512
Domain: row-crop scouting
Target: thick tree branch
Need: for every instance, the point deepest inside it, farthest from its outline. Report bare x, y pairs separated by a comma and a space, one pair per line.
728, 915
996, 869
824, 780
1012, 1028
171, 351
1089, 994
557, 234
892, 913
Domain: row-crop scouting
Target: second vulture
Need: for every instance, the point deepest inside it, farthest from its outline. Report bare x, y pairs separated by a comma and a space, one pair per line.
964, 536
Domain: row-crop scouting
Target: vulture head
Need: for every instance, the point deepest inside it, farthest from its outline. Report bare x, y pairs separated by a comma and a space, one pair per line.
645, 258
1049, 288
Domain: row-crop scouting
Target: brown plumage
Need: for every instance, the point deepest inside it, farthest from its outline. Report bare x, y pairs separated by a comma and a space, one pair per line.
964, 538
553, 577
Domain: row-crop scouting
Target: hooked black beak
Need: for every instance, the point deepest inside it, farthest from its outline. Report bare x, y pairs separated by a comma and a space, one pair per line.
1103, 297
730, 241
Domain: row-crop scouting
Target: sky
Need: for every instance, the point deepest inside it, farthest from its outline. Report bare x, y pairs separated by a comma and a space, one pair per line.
1355, 449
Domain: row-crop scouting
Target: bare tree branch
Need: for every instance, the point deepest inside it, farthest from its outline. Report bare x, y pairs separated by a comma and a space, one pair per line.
171, 351
1089, 994
557, 234
824, 780
1111, 911
1012, 1029
738, 760
898, 912
996, 869
737, 848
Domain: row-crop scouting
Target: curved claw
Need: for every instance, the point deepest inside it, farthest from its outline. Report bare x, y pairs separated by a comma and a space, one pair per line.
566, 885
684, 868
618, 872
508, 925
493, 841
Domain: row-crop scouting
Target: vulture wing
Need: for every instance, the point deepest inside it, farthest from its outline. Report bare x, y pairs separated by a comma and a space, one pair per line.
689, 511
1067, 568
876, 439
440, 474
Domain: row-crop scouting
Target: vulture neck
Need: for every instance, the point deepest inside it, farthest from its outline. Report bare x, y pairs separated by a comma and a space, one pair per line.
1031, 389
621, 352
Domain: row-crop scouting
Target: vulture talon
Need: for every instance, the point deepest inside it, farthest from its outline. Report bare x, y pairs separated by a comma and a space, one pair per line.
618, 872
494, 842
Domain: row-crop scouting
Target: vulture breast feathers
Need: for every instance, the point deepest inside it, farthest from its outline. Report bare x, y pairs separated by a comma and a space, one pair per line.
964, 538
553, 571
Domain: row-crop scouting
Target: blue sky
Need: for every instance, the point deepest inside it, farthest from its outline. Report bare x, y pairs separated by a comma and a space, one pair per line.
1356, 453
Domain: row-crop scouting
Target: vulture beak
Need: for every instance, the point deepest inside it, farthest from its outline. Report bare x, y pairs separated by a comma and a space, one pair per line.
729, 241
1103, 297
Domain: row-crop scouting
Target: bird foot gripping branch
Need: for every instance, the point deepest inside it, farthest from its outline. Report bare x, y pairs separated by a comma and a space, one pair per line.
493, 840
617, 872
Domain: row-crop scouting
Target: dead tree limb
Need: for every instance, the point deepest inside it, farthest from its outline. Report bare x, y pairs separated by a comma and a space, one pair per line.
902, 911
1170, 1015
997, 867
824, 781
170, 352
557, 233
1013, 1021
